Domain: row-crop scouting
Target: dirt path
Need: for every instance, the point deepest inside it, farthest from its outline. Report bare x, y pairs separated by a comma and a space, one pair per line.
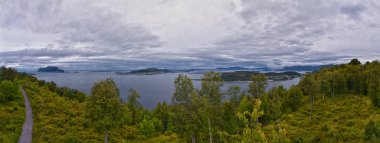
27, 128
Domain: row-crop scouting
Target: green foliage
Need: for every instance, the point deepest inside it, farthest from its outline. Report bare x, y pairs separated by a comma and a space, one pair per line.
354, 62
294, 98
235, 95
374, 85
147, 128
188, 115
338, 119
134, 106
11, 118
161, 113
257, 85
212, 95
252, 128
8, 73
9, 91
103, 109
225, 137
372, 131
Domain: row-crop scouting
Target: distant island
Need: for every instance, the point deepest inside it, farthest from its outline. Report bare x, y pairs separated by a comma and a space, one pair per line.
246, 75
51, 69
305, 68
147, 71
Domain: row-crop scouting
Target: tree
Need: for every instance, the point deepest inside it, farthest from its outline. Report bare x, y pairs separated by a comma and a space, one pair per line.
186, 109
161, 112
257, 85
211, 92
235, 95
134, 105
354, 62
374, 85
310, 86
147, 128
103, 109
252, 129
7, 73
294, 98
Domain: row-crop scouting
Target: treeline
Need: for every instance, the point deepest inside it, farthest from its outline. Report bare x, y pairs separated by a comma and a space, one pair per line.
353, 78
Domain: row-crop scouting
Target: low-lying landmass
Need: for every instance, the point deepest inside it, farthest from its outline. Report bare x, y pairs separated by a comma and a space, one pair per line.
147, 71
246, 75
51, 69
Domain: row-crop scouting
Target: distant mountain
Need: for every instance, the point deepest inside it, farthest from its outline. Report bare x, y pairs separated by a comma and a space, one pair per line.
51, 69
147, 71
305, 68
232, 68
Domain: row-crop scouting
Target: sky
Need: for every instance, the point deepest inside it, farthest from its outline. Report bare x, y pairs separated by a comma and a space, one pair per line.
182, 34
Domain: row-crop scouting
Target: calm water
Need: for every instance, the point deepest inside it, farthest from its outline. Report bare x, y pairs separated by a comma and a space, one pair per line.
152, 88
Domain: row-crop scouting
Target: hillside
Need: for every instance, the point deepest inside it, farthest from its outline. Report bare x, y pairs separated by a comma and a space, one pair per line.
340, 119
61, 119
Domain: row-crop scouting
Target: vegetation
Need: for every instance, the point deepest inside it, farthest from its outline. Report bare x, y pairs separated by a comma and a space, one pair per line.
247, 75
335, 104
11, 106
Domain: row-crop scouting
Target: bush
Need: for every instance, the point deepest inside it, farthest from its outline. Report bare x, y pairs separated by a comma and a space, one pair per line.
9, 91
147, 128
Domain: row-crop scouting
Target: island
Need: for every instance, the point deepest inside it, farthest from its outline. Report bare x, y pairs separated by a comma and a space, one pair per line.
246, 75
51, 69
147, 71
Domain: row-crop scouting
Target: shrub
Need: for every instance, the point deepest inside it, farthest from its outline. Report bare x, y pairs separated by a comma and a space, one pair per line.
147, 128
9, 91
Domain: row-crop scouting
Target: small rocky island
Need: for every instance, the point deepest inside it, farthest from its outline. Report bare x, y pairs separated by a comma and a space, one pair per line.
246, 75
51, 69
147, 71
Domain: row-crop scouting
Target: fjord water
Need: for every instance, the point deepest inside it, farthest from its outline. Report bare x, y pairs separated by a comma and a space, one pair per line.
152, 88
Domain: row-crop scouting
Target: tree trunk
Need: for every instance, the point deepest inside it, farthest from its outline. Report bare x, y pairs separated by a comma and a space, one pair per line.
311, 107
209, 128
106, 137
192, 138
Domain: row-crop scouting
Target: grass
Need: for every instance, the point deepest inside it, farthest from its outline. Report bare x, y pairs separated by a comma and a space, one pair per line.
11, 120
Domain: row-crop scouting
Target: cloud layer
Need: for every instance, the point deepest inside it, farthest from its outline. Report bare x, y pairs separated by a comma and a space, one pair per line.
86, 34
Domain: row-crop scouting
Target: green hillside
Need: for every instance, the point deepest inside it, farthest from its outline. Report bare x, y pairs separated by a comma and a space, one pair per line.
339, 119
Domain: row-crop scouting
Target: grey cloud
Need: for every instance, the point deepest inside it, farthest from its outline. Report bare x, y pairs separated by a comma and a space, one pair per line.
353, 11
92, 34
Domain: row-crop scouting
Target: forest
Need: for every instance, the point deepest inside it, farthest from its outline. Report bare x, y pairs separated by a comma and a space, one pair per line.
339, 103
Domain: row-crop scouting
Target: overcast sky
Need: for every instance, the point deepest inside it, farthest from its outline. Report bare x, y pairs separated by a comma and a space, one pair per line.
132, 34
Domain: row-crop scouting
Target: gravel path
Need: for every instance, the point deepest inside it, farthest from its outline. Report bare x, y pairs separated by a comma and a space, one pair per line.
27, 128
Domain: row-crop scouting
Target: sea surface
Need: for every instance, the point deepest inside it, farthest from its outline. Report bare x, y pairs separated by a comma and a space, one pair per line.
152, 88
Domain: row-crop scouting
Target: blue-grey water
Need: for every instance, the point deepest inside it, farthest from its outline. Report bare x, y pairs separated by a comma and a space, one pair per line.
152, 88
